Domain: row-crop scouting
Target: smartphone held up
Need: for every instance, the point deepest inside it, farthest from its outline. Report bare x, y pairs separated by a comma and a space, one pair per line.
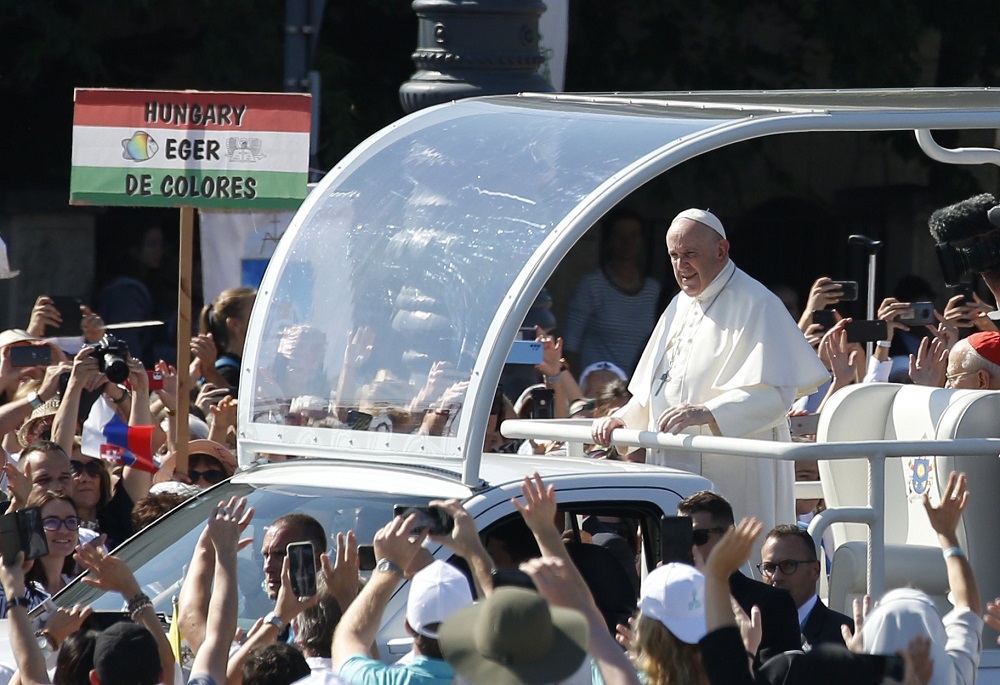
302, 568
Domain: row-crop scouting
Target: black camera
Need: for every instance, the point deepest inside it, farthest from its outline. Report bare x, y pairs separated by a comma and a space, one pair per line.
967, 237
112, 357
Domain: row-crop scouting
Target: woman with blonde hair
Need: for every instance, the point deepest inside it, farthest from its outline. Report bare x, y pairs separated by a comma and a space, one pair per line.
218, 348
671, 621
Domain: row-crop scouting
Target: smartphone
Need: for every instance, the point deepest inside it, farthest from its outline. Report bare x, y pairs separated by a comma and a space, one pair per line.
102, 620
967, 291
366, 557
824, 317
866, 331
804, 425
511, 577
432, 519
72, 316
920, 314
676, 540
21, 531
302, 567
30, 355
527, 333
849, 288
155, 379
543, 403
526, 352
358, 420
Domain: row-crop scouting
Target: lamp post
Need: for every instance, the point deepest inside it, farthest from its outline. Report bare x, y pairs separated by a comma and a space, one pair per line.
467, 48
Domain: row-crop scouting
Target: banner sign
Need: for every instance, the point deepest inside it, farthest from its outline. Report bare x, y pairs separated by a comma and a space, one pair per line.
190, 148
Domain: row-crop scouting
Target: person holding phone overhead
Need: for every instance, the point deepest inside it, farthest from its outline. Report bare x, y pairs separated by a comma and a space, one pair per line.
726, 359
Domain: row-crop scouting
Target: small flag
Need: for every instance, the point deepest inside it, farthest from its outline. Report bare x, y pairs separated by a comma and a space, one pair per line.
107, 437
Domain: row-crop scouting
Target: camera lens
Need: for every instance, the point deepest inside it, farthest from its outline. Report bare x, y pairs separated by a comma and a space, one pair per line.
115, 368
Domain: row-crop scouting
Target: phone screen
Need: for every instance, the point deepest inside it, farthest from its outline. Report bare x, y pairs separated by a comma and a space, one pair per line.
511, 577
866, 331
302, 567
30, 355
824, 317
676, 539
69, 311
849, 288
366, 557
543, 403
432, 519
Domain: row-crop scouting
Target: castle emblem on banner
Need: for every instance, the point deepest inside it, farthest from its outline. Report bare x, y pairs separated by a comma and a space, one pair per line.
244, 149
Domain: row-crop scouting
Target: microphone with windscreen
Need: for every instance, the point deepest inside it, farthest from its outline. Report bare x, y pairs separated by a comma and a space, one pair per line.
967, 237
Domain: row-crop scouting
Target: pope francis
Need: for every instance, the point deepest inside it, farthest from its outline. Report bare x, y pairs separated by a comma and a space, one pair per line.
727, 359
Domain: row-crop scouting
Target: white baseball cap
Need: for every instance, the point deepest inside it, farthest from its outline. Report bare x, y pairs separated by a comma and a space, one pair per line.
436, 592
674, 595
702, 217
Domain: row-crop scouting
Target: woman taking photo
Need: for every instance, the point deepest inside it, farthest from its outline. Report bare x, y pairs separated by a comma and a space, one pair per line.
218, 348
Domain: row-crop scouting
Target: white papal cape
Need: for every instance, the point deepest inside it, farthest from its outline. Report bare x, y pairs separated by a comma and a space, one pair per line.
735, 349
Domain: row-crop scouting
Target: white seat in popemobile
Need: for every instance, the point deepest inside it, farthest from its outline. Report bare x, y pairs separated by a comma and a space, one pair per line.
889, 411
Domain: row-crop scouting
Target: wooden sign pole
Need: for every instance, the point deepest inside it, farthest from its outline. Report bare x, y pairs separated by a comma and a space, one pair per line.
184, 385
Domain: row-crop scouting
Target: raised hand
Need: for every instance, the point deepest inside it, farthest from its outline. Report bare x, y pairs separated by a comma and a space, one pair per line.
861, 608
539, 507
944, 518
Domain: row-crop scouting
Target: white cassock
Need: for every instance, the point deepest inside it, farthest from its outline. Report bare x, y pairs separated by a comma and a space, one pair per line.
736, 350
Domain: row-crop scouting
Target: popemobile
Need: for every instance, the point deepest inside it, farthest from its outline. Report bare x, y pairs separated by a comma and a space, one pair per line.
407, 272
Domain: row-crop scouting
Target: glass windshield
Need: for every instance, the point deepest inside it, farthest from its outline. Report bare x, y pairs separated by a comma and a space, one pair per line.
382, 301
160, 557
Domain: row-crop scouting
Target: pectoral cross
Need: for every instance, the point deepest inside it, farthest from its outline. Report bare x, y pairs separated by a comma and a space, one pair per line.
663, 379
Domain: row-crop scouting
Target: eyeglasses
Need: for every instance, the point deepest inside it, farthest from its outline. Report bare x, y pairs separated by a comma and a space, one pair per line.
952, 377
787, 566
211, 476
91, 468
699, 536
54, 523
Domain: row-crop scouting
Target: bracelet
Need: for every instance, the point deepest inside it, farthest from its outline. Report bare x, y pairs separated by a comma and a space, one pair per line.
884, 344
19, 602
125, 393
553, 379
138, 602
953, 552
134, 614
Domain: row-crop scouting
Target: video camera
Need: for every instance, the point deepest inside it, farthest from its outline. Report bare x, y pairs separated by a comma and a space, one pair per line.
967, 237
112, 357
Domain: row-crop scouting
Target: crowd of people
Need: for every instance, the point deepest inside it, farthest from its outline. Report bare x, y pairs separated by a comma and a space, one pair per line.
725, 358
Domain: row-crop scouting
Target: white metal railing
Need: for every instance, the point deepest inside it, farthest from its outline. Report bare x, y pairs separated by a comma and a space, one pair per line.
875, 452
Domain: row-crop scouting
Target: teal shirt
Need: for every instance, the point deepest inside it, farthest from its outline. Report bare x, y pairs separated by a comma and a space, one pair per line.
363, 670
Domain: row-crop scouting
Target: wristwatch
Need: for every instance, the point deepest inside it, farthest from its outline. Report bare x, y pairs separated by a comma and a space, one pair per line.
34, 400
45, 641
274, 620
386, 566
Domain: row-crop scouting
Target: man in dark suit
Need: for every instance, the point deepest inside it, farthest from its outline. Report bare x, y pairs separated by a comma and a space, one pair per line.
789, 562
711, 516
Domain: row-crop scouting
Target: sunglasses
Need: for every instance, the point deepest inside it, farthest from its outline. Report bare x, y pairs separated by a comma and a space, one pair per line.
699, 536
211, 476
54, 523
91, 468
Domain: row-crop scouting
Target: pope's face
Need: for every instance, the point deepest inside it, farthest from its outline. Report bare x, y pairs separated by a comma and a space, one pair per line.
697, 254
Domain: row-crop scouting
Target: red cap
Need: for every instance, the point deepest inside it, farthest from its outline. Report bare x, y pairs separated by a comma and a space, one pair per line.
987, 344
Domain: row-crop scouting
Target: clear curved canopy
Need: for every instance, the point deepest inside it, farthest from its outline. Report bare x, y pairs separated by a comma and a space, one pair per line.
392, 301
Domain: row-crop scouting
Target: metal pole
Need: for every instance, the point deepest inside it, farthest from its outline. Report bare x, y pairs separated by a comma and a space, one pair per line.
871, 299
875, 566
